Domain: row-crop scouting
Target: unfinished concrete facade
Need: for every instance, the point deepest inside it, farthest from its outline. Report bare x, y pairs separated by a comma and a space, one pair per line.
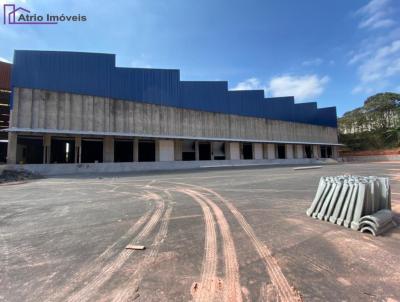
55, 125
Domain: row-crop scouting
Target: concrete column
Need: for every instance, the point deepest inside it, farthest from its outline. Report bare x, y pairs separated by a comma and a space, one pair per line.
335, 152
271, 151
136, 149
46, 148
196, 150
257, 151
289, 151
78, 149
12, 148
108, 149
299, 151
233, 150
166, 150
178, 150
316, 151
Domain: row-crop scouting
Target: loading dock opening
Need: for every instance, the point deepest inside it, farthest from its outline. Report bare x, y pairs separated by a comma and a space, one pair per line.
30, 149
123, 150
326, 151
308, 151
3, 151
204, 151
247, 150
281, 150
188, 150
147, 150
218, 150
92, 150
62, 150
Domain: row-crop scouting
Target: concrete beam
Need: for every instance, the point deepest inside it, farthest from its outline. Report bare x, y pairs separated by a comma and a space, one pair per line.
108, 149
289, 151
257, 151
46, 148
78, 149
299, 151
271, 151
316, 151
233, 151
12, 148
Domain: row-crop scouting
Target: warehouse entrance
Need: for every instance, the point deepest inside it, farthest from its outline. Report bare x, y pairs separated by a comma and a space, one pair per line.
62, 150
308, 151
123, 150
147, 150
30, 149
247, 151
218, 150
281, 149
92, 150
204, 151
188, 150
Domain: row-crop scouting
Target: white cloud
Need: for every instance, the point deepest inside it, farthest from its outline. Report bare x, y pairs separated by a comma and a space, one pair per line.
4, 60
378, 59
376, 14
301, 87
313, 62
249, 84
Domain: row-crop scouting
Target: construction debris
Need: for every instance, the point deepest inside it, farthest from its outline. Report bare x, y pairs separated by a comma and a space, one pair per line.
13, 176
354, 202
135, 247
307, 168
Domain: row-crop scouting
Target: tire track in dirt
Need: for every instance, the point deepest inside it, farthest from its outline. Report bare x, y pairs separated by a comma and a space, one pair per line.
205, 290
96, 266
285, 291
232, 288
109, 269
133, 282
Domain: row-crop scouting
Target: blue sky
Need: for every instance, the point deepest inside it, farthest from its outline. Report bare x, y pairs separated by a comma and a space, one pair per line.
334, 52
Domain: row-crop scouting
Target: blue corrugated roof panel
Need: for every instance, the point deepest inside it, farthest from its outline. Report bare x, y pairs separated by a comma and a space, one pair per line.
204, 95
96, 74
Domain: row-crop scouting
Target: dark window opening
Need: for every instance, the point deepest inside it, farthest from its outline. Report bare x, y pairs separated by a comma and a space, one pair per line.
281, 151
186, 156
323, 151
30, 150
204, 151
123, 151
147, 150
308, 151
329, 151
247, 151
92, 151
3, 152
62, 150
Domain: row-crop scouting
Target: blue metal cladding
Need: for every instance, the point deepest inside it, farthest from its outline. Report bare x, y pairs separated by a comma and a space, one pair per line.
96, 74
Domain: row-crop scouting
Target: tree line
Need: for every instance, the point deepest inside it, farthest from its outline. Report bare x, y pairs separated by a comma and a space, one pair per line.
375, 125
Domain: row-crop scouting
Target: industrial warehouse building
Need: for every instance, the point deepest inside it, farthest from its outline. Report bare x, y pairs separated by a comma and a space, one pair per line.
74, 108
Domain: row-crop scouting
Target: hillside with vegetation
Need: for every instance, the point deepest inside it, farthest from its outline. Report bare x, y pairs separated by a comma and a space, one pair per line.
374, 126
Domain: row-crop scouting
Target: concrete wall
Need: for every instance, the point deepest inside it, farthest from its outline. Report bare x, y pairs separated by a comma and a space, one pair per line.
62, 169
271, 151
258, 151
166, 150
289, 151
299, 151
233, 151
39, 109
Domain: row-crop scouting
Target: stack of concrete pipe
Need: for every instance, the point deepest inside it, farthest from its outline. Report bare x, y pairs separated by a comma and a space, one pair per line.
357, 202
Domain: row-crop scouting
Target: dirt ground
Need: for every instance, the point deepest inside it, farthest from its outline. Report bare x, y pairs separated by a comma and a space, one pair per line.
210, 235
